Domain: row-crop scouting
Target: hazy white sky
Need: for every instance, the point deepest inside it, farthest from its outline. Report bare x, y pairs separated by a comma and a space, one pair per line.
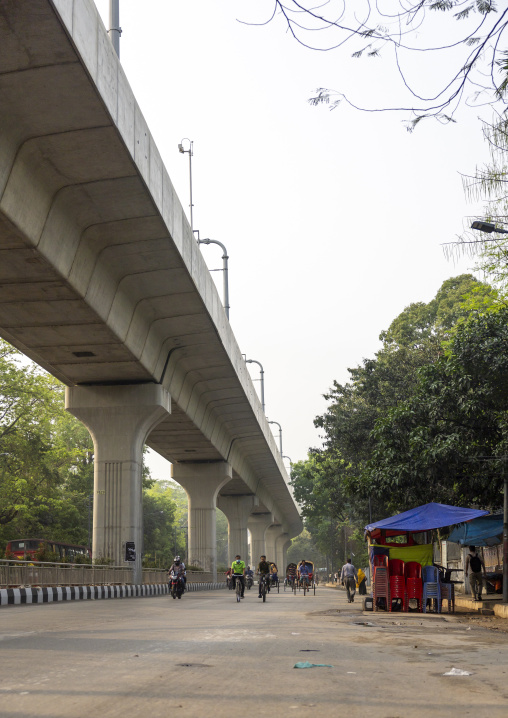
333, 221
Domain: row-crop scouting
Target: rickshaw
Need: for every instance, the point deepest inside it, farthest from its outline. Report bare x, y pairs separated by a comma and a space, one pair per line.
290, 578
274, 577
303, 583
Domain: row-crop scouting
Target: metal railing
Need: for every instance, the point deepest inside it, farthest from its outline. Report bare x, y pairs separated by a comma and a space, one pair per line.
14, 573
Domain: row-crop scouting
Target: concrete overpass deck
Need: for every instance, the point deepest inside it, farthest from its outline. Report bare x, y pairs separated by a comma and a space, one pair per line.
101, 280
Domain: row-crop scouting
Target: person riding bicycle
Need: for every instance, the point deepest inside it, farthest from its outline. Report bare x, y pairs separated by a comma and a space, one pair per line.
238, 573
178, 569
303, 572
264, 574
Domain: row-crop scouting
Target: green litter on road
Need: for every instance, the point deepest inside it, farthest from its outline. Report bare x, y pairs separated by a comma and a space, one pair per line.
306, 664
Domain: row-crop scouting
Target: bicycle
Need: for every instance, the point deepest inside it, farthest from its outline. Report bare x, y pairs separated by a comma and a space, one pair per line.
304, 580
263, 586
238, 585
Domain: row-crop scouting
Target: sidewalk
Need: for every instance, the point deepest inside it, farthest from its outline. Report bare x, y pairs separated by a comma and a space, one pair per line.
490, 605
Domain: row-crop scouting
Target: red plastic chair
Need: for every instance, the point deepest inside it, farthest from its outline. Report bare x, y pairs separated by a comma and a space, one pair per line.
380, 560
396, 566
381, 586
413, 569
398, 590
414, 584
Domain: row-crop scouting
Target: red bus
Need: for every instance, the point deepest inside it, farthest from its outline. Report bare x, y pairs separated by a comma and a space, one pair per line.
27, 548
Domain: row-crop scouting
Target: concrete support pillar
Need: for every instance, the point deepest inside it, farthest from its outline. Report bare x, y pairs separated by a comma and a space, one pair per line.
282, 544
119, 419
271, 536
257, 525
202, 483
237, 510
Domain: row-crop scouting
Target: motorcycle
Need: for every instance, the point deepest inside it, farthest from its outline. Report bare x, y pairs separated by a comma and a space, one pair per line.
177, 586
249, 582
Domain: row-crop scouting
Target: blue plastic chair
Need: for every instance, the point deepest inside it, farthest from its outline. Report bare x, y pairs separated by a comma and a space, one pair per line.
431, 587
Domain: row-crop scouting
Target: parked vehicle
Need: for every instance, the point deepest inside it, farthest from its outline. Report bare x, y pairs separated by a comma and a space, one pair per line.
27, 548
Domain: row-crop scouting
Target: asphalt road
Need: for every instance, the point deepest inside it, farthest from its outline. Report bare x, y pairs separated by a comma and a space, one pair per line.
206, 655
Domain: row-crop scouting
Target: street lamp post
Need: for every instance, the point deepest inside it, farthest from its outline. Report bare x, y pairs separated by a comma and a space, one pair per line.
280, 434
489, 227
115, 30
262, 380
225, 258
190, 151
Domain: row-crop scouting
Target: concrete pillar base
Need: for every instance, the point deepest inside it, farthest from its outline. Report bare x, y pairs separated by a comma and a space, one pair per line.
271, 536
282, 544
237, 510
119, 419
202, 483
257, 525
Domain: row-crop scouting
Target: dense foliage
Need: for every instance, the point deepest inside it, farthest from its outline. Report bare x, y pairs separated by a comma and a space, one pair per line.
424, 420
46, 471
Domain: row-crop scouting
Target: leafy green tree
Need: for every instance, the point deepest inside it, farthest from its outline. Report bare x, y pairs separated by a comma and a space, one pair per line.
448, 441
41, 448
162, 533
304, 547
412, 341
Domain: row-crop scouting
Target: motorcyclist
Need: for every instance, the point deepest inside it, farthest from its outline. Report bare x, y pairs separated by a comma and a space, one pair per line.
178, 569
249, 576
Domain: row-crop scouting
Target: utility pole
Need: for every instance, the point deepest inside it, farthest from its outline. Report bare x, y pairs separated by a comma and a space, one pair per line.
115, 30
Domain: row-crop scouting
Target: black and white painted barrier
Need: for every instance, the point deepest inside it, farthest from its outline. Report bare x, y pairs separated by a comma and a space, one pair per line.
51, 594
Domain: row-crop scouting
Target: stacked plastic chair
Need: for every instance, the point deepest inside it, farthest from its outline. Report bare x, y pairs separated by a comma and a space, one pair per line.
448, 592
381, 581
397, 582
431, 587
414, 583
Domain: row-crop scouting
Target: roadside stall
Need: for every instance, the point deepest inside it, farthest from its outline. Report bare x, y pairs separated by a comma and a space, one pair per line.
486, 533
401, 557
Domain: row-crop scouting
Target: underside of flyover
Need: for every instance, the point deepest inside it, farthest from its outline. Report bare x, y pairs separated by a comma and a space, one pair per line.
101, 280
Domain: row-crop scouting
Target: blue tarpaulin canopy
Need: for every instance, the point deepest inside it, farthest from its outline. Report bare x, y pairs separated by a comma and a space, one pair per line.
485, 531
424, 518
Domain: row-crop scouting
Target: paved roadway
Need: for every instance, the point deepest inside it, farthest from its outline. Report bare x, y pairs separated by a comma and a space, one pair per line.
200, 656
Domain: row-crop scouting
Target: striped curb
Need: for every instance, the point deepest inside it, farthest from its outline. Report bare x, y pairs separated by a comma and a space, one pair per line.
53, 594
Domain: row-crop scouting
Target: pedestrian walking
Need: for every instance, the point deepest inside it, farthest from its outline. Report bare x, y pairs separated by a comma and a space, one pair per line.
348, 578
474, 566
362, 583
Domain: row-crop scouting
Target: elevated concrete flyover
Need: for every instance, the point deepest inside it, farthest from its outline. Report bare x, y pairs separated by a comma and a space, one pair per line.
103, 284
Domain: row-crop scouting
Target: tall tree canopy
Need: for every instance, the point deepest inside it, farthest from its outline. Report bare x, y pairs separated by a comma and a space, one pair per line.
415, 423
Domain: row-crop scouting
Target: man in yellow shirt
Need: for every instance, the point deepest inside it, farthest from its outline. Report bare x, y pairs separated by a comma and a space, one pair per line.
238, 572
